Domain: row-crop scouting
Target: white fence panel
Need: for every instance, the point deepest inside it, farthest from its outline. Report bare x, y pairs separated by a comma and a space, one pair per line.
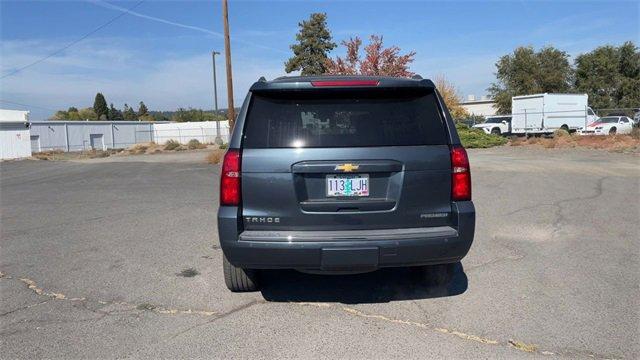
204, 131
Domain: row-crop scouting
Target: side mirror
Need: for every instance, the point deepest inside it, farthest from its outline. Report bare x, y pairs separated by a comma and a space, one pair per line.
504, 122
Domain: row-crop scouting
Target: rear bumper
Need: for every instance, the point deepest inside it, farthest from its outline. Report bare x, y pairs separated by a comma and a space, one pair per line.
347, 250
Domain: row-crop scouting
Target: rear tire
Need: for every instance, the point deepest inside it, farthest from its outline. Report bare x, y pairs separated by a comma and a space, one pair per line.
612, 131
496, 131
239, 279
565, 128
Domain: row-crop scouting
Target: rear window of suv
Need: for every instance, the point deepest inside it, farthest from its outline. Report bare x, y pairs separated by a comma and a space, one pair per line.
343, 119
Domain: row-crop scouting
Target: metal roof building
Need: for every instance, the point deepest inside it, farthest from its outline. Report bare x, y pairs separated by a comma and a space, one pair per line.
88, 135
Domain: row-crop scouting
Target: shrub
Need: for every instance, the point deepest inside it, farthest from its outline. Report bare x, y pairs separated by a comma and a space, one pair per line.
171, 145
476, 138
215, 156
561, 133
224, 146
195, 144
635, 133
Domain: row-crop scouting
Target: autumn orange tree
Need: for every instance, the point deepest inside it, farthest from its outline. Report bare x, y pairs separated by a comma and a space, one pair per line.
451, 97
378, 60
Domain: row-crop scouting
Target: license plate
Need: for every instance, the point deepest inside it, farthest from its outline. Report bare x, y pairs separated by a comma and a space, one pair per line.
348, 185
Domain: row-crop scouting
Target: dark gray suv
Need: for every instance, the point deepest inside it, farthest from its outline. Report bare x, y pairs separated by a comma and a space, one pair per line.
342, 175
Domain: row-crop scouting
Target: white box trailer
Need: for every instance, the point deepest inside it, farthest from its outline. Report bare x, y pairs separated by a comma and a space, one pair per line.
545, 113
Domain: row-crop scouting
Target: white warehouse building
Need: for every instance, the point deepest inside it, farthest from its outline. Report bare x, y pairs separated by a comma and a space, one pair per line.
485, 106
14, 134
88, 135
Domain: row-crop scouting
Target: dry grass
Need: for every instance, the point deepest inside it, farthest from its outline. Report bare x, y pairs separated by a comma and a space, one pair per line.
136, 149
615, 143
54, 155
172, 145
215, 156
48, 155
143, 148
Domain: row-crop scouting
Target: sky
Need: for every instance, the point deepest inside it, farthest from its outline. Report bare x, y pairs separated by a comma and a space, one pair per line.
160, 52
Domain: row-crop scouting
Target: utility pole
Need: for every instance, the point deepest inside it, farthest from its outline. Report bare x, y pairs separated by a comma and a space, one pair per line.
215, 97
227, 52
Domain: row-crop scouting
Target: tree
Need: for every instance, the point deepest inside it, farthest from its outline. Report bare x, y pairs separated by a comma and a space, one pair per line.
529, 72
87, 114
100, 107
610, 76
377, 61
129, 114
313, 44
60, 115
451, 97
142, 110
160, 116
114, 113
184, 115
73, 114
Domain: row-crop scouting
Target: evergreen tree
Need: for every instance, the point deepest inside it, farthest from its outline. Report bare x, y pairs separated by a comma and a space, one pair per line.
115, 114
100, 107
129, 114
142, 109
314, 42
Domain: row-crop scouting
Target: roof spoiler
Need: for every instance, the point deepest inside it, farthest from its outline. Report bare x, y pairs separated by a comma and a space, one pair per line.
339, 82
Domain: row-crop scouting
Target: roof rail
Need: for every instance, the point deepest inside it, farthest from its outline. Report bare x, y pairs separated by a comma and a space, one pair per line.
416, 77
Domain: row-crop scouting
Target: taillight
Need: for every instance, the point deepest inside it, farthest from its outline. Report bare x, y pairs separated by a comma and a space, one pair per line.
345, 83
230, 179
460, 174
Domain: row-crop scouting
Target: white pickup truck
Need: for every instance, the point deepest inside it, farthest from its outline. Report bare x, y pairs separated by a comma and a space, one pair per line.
497, 125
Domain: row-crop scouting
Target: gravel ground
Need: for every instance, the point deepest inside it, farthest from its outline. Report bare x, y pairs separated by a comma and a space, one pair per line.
93, 255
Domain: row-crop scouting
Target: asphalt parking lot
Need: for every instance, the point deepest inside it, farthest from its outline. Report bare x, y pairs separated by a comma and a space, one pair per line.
93, 256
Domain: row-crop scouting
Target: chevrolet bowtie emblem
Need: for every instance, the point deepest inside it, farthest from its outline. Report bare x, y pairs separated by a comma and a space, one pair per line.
347, 167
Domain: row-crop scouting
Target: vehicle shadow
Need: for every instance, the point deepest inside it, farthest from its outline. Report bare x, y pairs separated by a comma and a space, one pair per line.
384, 285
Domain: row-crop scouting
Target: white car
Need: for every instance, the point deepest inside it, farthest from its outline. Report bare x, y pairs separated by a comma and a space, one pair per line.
608, 125
497, 125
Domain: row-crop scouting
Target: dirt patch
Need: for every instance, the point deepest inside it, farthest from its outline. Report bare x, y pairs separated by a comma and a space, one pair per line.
614, 143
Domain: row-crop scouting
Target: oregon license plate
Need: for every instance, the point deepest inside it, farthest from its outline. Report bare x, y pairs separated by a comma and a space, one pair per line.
348, 185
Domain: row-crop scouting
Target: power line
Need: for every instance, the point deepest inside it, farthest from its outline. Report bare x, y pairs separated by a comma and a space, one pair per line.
26, 105
15, 71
